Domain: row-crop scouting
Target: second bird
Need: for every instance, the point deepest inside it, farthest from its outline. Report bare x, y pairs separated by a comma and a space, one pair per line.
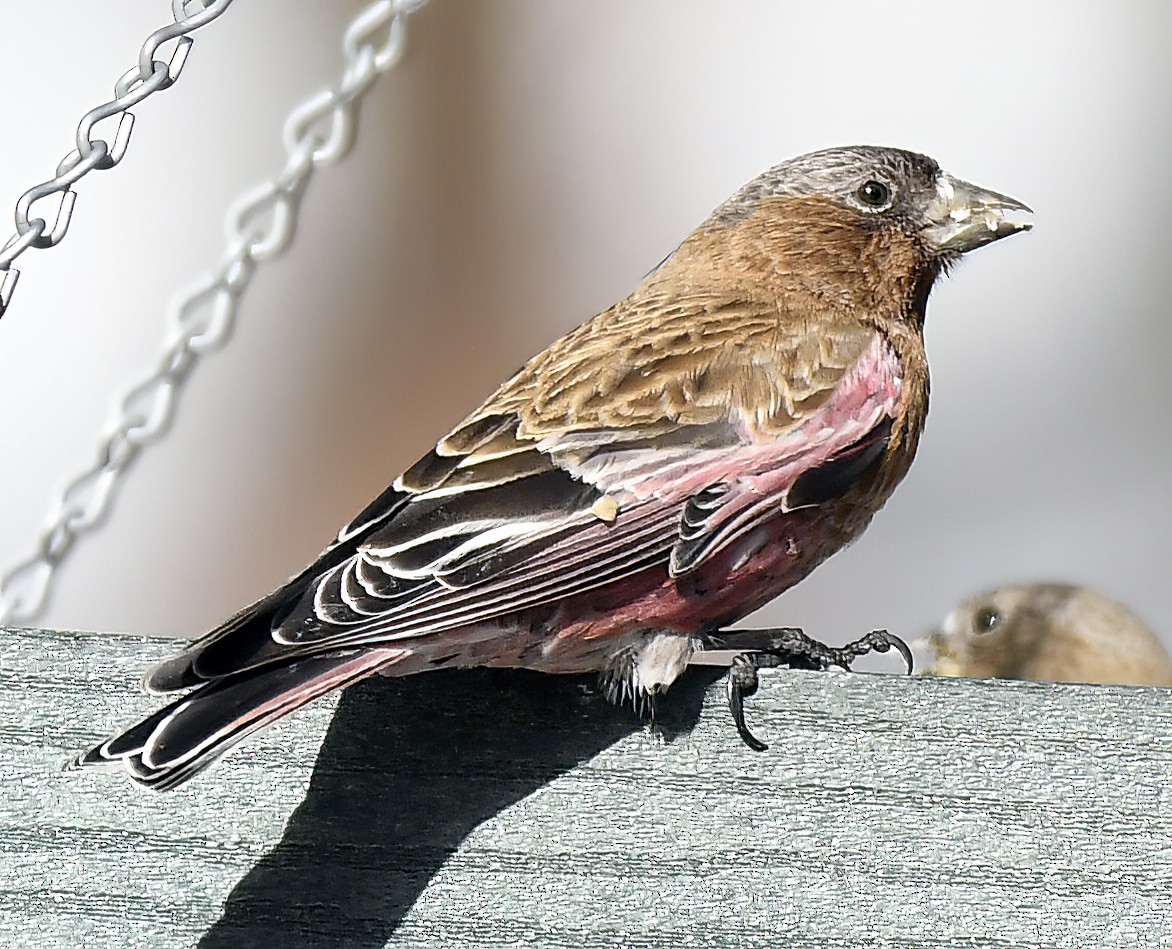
653, 476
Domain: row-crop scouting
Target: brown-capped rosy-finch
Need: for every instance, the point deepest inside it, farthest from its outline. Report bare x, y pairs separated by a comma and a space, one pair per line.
653, 476
1055, 632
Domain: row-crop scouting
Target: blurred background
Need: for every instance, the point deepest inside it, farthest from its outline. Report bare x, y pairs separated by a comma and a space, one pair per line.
521, 169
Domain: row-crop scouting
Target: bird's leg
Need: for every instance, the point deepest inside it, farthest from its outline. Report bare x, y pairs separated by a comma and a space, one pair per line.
786, 646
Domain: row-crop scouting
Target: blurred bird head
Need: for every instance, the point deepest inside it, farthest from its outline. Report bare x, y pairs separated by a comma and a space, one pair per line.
866, 209
1053, 632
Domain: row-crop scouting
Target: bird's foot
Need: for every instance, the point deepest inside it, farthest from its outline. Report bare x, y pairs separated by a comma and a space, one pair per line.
788, 646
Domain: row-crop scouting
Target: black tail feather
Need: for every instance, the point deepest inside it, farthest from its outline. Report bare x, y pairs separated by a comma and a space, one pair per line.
178, 741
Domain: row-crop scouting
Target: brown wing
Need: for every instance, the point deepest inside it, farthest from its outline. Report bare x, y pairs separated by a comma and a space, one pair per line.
546, 490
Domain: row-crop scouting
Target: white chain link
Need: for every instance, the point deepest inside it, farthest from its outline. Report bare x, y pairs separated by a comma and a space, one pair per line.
261, 224
151, 75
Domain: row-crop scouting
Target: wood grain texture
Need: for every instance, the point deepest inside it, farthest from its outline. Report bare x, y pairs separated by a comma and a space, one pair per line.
493, 808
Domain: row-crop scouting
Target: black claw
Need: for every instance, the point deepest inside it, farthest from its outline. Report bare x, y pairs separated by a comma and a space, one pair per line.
742, 681
738, 713
878, 640
904, 651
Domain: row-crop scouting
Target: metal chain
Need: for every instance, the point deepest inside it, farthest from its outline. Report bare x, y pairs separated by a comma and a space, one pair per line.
151, 75
261, 224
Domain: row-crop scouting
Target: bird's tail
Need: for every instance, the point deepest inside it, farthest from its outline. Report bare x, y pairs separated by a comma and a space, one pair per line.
177, 742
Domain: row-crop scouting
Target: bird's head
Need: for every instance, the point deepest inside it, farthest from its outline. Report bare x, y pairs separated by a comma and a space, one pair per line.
863, 216
1050, 631
992, 634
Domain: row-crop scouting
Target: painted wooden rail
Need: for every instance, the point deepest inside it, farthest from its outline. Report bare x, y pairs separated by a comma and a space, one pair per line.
508, 809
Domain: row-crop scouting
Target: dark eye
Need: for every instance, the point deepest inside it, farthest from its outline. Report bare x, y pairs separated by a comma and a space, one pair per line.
986, 620
874, 194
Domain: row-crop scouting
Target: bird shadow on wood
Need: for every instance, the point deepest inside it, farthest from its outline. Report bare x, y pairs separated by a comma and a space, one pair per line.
408, 768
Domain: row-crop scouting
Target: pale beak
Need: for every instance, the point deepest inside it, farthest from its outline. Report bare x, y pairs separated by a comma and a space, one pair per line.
926, 652
964, 217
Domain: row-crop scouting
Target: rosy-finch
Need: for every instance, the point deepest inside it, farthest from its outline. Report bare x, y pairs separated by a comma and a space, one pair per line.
659, 472
1055, 632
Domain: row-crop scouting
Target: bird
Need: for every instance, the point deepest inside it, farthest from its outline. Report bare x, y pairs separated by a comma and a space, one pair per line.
1054, 632
650, 478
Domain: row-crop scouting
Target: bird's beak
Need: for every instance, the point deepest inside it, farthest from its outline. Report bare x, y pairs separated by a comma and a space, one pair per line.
926, 652
941, 651
964, 217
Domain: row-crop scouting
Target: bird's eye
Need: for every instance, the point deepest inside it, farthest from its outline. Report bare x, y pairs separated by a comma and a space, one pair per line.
986, 620
874, 194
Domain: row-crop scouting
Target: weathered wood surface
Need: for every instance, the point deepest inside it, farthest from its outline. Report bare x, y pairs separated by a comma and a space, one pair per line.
505, 809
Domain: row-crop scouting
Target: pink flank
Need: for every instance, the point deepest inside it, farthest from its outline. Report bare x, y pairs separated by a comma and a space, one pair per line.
775, 548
